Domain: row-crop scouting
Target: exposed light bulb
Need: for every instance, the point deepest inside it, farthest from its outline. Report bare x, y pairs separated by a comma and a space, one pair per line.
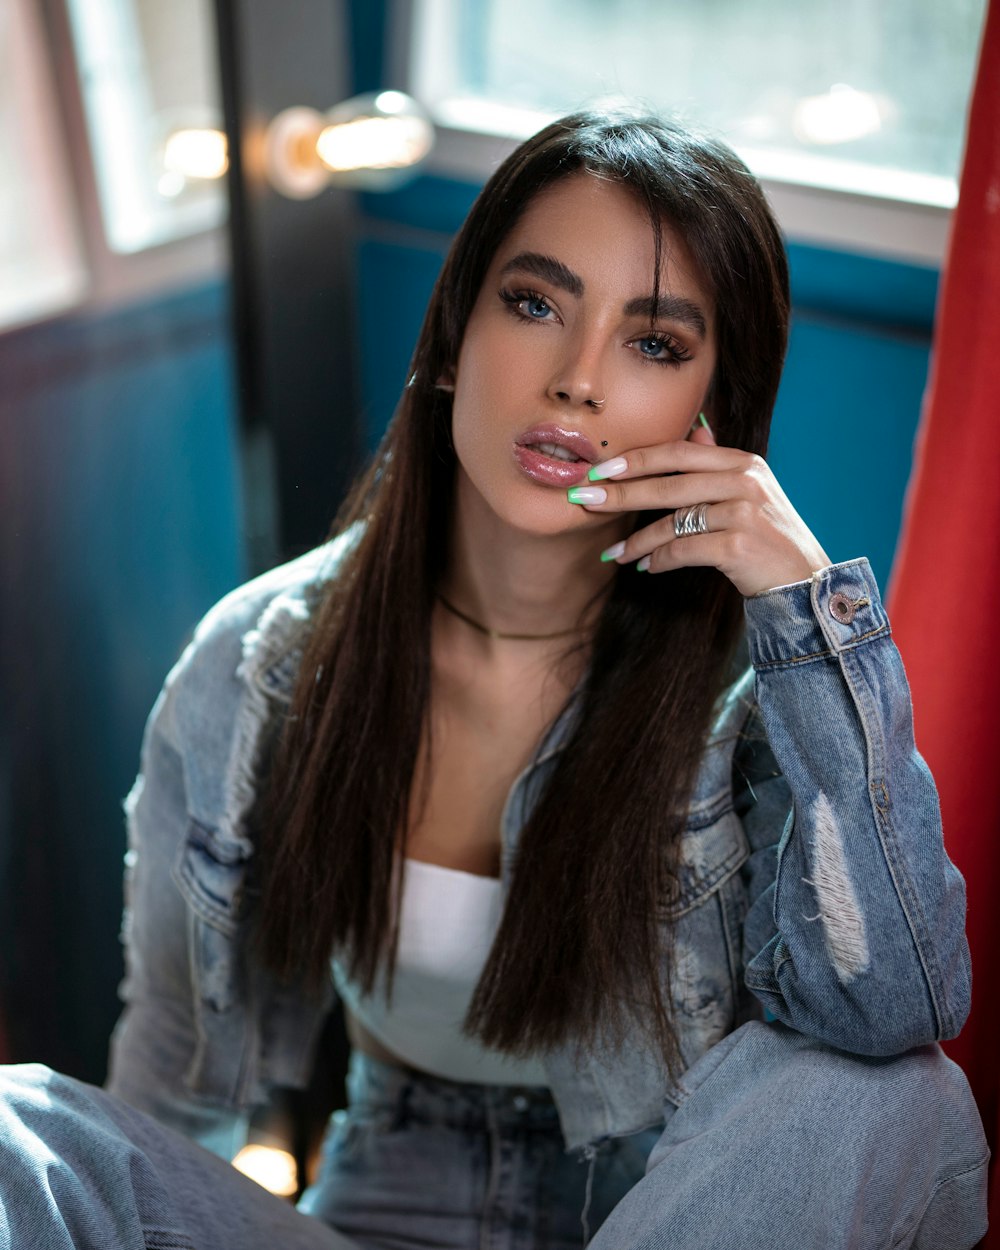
367, 141
374, 143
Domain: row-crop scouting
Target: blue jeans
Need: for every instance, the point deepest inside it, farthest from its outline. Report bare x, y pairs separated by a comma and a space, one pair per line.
417, 1161
778, 1142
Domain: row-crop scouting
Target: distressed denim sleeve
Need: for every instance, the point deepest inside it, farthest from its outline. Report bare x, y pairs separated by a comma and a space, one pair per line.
856, 929
155, 1037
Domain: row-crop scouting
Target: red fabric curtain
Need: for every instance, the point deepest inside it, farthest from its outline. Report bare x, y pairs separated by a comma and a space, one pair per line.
944, 600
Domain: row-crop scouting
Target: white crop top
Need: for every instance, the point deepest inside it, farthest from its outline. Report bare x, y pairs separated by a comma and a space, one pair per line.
447, 922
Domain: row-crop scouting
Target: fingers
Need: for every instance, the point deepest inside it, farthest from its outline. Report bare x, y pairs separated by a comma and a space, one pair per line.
703, 455
693, 551
751, 565
702, 434
754, 550
754, 536
674, 475
720, 517
648, 494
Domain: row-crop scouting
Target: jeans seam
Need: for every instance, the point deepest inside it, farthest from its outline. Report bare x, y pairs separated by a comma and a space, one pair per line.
765, 666
907, 1237
166, 1239
688, 1092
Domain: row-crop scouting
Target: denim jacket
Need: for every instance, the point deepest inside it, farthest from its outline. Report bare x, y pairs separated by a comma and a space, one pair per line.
813, 882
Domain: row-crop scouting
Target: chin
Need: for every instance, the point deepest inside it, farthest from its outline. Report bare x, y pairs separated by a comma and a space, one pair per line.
522, 505
543, 512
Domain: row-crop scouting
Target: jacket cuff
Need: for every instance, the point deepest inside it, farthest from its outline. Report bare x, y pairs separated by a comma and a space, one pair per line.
835, 609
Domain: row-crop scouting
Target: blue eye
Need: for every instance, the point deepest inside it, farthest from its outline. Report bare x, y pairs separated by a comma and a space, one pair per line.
661, 349
652, 347
528, 305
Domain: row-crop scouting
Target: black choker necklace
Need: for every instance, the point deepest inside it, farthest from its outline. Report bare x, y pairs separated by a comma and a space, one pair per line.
495, 633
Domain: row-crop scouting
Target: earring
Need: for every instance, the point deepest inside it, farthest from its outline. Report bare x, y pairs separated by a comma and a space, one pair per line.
443, 386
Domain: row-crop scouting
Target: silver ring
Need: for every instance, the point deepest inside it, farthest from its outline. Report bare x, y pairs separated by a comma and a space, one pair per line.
691, 520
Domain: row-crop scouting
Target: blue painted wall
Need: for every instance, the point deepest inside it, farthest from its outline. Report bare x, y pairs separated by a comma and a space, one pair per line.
120, 526
844, 425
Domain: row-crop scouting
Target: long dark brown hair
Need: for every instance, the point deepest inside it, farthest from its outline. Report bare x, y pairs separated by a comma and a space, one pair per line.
581, 951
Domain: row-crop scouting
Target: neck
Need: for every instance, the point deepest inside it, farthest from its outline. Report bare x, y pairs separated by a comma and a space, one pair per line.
514, 582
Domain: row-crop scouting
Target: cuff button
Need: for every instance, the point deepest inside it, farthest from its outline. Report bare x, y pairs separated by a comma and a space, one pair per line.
841, 608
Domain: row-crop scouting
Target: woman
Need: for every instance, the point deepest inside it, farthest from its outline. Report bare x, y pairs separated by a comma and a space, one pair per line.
548, 828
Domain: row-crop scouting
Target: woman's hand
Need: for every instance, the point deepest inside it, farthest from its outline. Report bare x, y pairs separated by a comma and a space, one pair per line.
755, 535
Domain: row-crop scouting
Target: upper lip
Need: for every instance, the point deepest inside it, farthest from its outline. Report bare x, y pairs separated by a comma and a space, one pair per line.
576, 442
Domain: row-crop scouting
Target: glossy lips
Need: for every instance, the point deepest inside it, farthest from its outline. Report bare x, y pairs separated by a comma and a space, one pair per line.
550, 469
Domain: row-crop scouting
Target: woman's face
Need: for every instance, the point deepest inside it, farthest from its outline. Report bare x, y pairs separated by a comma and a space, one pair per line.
562, 323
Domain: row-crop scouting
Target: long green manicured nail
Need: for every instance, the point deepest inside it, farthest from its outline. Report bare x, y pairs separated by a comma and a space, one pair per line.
701, 418
586, 494
608, 468
642, 566
613, 552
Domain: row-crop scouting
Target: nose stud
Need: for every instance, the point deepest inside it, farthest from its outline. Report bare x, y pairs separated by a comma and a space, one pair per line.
597, 403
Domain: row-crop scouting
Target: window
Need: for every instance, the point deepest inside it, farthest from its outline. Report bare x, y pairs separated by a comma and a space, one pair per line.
147, 71
859, 97
41, 263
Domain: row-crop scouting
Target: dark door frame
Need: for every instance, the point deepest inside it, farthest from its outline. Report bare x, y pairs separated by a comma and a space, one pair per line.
293, 282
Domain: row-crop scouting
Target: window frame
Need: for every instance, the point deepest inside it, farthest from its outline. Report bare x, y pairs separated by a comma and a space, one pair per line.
61, 275
866, 224
111, 279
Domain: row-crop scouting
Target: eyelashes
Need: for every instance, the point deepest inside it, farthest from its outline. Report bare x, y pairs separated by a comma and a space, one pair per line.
656, 348
514, 300
674, 353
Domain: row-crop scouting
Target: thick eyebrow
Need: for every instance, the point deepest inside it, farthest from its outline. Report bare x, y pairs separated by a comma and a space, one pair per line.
667, 307
546, 267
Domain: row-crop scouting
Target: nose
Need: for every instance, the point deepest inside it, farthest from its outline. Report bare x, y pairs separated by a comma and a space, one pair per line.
577, 382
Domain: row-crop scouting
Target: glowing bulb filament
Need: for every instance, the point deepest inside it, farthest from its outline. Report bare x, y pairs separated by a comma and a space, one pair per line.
374, 143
